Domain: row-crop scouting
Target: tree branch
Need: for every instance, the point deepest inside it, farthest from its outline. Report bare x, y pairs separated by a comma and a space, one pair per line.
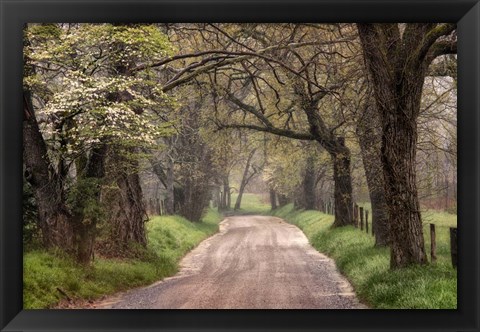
442, 47
272, 130
431, 37
231, 57
250, 109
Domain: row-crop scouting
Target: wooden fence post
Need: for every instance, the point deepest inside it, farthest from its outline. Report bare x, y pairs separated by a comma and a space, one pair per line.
433, 244
355, 213
453, 245
361, 218
366, 220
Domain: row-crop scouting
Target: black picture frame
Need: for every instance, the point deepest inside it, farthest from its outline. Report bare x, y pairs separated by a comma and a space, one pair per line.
13, 16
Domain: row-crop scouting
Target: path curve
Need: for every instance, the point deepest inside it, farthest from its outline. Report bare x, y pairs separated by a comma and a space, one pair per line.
254, 262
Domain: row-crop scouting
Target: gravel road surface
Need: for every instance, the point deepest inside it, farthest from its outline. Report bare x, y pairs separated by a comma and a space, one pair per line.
254, 262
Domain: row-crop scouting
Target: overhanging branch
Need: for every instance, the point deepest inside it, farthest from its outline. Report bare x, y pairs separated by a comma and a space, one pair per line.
272, 130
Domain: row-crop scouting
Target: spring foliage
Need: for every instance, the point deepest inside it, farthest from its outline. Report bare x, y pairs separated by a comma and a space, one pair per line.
88, 91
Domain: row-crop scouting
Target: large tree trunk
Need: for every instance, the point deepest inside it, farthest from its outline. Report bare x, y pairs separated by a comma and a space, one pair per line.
226, 196
309, 181
126, 210
229, 197
245, 179
273, 199
370, 139
340, 155
282, 200
380, 219
398, 72
85, 225
399, 145
216, 197
342, 185
197, 193
306, 194
74, 234
53, 217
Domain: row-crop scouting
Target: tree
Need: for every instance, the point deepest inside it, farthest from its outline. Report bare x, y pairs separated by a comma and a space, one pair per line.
92, 106
53, 215
308, 201
369, 137
293, 83
398, 57
194, 171
247, 176
225, 157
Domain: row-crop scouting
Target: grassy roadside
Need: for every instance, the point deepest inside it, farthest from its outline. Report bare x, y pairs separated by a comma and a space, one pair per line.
169, 239
251, 204
428, 287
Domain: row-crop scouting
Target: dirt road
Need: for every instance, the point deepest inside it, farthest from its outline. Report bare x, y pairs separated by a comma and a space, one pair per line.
254, 262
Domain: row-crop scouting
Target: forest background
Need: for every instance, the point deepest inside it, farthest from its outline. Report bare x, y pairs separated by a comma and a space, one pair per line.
123, 122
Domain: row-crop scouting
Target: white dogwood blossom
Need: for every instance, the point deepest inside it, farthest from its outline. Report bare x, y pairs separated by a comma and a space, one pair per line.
90, 97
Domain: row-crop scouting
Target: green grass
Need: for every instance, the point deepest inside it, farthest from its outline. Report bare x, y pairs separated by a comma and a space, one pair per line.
443, 221
421, 287
174, 236
169, 239
251, 203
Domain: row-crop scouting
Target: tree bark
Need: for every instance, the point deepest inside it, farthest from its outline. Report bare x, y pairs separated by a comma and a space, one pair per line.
397, 66
342, 185
73, 233
196, 198
229, 197
398, 159
370, 139
85, 226
54, 218
306, 195
273, 199
216, 197
245, 179
309, 180
126, 210
340, 155
282, 200
226, 196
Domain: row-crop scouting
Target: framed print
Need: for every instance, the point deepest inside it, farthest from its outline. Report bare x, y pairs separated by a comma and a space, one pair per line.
237, 165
